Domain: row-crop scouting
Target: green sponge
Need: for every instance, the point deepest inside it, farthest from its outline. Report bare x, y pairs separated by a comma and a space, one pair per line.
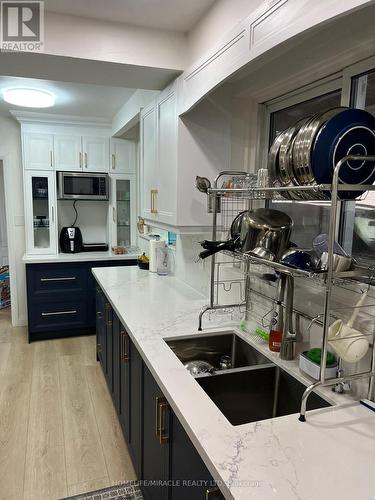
315, 355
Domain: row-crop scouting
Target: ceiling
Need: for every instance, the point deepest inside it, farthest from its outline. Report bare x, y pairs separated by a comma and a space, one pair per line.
72, 98
175, 15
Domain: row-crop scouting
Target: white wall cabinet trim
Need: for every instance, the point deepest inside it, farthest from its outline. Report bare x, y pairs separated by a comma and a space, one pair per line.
123, 156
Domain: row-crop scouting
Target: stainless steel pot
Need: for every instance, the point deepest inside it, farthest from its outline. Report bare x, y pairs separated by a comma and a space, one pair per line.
266, 228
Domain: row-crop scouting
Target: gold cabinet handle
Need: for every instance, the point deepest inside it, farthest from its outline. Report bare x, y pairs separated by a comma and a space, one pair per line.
107, 315
154, 194
161, 407
124, 346
113, 162
51, 158
86, 160
212, 493
80, 159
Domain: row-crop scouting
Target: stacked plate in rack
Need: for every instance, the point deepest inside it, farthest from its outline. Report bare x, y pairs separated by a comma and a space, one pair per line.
306, 153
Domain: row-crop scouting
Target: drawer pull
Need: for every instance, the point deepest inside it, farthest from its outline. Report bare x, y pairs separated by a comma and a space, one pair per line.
124, 347
212, 493
58, 313
161, 407
67, 278
108, 319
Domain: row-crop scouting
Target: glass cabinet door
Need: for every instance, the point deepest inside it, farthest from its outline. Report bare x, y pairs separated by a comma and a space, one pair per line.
123, 210
40, 196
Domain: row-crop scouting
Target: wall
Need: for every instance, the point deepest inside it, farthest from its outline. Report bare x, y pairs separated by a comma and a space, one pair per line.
114, 42
10, 152
220, 18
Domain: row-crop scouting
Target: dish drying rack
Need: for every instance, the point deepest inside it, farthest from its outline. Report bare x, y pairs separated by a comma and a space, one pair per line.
230, 201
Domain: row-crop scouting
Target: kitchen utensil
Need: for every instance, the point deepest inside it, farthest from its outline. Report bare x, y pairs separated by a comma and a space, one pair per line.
300, 259
225, 362
320, 245
212, 247
263, 253
273, 159
349, 132
341, 263
202, 184
311, 131
266, 228
348, 343
197, 367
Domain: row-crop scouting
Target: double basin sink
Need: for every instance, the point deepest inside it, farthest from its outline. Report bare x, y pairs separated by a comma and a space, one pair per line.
253, 388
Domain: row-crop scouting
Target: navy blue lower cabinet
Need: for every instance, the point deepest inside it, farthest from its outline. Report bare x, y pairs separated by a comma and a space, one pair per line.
135, 407
101, 338
165, 460
190, 478
155, 440
61, 298
116, 360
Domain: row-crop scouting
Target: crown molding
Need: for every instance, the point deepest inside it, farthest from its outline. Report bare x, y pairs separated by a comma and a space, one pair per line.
49, 118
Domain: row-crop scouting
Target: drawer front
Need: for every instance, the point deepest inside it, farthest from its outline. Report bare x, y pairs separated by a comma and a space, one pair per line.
57, 315
51, 278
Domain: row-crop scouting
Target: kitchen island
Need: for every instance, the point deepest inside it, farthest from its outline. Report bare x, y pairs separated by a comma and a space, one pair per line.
329, 456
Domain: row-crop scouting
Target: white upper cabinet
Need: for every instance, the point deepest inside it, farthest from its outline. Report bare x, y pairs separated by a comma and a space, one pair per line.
123, 156
166, 133
40, 212
95, 154
149, 170
38, 151
158, 161
68, 152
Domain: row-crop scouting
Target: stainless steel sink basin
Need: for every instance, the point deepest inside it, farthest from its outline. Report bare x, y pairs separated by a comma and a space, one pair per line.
253, 389
211, 348
257, 394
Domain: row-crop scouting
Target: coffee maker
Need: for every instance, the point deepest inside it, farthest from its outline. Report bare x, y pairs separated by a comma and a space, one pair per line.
71, 240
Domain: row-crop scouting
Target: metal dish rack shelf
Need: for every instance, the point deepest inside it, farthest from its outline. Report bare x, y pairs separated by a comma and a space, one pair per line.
245, 197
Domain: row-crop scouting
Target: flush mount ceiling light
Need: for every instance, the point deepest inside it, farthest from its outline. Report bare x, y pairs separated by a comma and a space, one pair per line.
29, 98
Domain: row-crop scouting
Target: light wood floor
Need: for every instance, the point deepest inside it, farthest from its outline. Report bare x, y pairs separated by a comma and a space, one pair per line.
59, 433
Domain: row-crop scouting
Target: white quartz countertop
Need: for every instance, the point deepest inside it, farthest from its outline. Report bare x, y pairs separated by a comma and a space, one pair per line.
77, 257
330, 456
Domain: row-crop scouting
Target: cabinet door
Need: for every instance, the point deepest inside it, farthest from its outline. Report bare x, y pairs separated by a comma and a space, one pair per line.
123, 156
116, 360
155, 439
40, 212
38, 151
68, 154
101, 345
135, 410
124, 412
148, 165
123, 209
166, 199
188, 467
95, 154
109, 346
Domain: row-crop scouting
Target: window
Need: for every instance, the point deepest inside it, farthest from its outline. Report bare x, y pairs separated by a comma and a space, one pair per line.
309, 218
359, 216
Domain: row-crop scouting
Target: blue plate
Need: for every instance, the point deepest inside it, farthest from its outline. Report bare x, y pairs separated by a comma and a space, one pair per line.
350, 132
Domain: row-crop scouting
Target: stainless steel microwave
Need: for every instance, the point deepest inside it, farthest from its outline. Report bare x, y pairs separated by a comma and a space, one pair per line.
82, 186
